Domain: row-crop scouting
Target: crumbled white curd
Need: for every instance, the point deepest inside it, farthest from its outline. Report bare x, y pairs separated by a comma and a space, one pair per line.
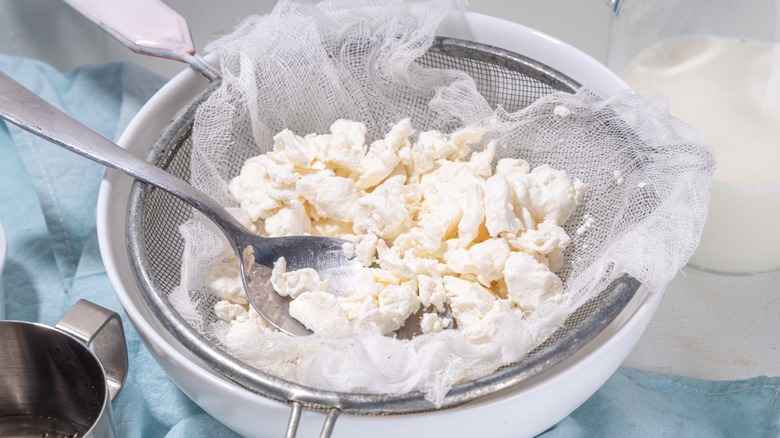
436, 225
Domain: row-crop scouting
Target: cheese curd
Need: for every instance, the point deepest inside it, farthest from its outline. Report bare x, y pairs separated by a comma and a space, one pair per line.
436, 224
293, 284
244, 322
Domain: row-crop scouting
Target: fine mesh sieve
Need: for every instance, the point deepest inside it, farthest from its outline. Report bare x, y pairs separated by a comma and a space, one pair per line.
155, 245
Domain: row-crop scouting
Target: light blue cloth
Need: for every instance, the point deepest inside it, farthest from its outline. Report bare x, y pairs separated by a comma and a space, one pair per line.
47, 205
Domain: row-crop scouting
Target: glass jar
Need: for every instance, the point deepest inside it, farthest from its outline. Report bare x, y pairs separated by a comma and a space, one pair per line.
718, 63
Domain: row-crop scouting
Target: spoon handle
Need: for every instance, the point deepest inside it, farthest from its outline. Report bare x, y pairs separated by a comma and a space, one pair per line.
25, 109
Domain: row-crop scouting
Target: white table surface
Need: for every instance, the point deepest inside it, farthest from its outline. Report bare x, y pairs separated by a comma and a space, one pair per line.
708, 326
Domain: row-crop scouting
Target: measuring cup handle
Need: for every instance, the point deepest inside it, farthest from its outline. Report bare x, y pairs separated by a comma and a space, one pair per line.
100, 328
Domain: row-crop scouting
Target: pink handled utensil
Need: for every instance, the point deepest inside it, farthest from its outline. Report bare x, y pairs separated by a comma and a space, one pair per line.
148, 27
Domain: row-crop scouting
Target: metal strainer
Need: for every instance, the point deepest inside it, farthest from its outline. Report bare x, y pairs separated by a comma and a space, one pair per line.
155, 247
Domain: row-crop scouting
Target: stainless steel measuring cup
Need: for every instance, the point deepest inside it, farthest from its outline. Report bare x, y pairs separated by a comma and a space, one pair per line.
59, 382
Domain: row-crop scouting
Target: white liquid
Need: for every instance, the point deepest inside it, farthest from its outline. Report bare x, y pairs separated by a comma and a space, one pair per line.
726, 88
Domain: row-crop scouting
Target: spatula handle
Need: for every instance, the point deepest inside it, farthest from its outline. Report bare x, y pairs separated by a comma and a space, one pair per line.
148, 27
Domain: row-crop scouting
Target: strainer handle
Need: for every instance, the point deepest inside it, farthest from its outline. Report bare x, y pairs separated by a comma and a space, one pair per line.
25, 109
295, 418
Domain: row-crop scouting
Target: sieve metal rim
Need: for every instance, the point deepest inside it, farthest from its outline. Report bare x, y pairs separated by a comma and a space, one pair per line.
499, 382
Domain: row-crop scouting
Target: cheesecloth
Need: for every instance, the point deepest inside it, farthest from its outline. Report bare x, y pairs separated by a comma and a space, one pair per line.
306, 65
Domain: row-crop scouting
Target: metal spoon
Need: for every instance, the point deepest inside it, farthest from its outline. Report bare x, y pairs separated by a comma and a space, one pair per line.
23, 108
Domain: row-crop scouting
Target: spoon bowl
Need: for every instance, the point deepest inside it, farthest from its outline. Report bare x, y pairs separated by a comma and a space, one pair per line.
324, 254
25, 109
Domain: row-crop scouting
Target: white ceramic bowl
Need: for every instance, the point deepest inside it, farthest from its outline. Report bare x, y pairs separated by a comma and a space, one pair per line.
525, 412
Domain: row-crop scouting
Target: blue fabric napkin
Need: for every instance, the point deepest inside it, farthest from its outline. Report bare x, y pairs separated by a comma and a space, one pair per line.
47, 205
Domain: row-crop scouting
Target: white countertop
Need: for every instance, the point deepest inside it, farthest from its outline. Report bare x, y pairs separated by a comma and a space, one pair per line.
714, 327
708, 326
